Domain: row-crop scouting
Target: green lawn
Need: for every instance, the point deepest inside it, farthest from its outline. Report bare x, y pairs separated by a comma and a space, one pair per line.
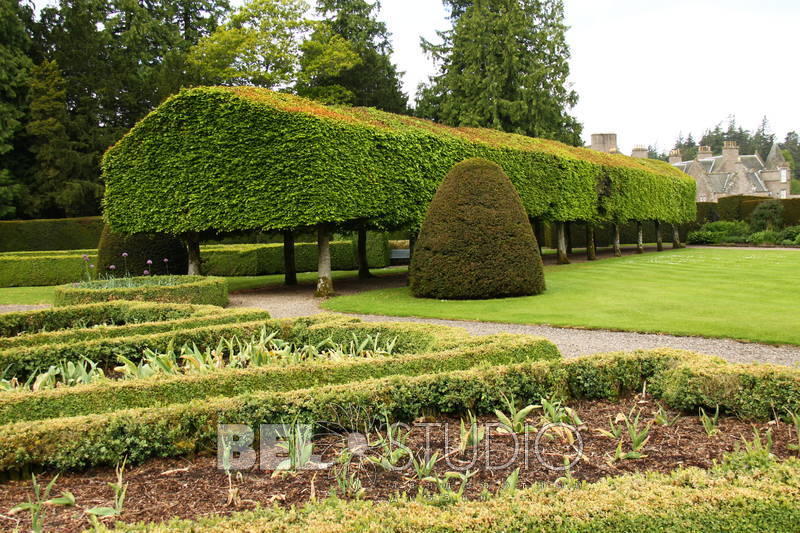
743, 294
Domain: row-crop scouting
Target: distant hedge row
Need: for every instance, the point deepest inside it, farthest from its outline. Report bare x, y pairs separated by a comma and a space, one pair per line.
741, 207
244, 158
680, 378
37, 269
50, 234
263, 259
203, 290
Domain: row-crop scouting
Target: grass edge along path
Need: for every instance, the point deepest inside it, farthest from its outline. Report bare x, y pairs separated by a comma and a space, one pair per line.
718, 293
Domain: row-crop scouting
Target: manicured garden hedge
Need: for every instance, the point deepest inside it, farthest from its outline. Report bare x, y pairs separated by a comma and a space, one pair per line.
685, 501
244, 158
181, 289
34, 269
263, 259
50, 234
680, 378
117, 395
23, 357
741, 207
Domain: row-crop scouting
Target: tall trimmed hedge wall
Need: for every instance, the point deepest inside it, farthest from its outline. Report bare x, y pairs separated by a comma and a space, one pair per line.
50, 234
242, 158
741, 207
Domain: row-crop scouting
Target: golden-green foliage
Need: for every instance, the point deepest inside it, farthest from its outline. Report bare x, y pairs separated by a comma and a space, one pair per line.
172, 289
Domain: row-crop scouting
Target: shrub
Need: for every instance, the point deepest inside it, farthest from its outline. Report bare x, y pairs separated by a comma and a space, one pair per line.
237, 158
703, 237
50, 234
476, 240
682, 379
139, 249
765, 237
767, 216
727, 227
792, 233
128, 394
32, 269
172, 289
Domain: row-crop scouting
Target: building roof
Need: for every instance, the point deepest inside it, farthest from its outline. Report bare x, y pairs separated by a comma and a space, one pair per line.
720, 182
752, 162
775, 158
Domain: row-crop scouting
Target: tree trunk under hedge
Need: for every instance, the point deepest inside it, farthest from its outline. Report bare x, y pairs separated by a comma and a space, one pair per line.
639, 238
563, 258
289, 265
676, 236
363, 260
659, 238
538, 231
617, 247
192, 242
568, 230
591, 247
324, 277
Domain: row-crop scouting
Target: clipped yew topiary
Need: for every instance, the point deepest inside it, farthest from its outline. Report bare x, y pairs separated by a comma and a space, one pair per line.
476, 241
139, 249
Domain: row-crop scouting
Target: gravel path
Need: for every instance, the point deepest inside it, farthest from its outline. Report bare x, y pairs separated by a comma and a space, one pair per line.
285, 302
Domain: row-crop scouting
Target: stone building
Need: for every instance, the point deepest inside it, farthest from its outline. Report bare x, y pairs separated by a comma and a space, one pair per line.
732, 174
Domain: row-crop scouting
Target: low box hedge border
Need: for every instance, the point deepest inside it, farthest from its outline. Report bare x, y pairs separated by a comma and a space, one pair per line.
127, 394
63, 320
175, 430
189, 290
685, 501
50, 234
23, 361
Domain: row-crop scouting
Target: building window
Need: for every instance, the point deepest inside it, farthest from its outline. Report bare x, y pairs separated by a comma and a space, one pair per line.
783, 194
784, 175
702, 197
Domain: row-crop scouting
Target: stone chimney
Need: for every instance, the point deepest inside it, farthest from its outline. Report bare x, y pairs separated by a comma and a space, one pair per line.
704, 152
605, 142
730, 151
675, 157
640, 152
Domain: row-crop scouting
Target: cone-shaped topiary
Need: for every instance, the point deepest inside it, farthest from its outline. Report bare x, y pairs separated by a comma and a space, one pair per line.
137, 250
476, 241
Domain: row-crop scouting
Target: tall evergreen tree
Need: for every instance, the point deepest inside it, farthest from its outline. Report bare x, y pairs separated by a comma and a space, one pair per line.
14, 70
374, 81
505, 66
55, 187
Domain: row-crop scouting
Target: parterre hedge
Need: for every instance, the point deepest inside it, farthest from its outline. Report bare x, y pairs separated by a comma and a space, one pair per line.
244, 158
34, 269
688, 500
50, 234
128, 394
682, 379
181, 289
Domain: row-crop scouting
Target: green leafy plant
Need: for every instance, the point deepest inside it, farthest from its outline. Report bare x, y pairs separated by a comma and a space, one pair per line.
445, 484
347, 482
795, 421
638, 434
227, 457
422, 467
616, 427
567, 480
471, 433
516, 419
38, 504
621, 455
120, 489
391, 446
556, 413
511, 483
298, 447
750, 455
710, 423
663, 418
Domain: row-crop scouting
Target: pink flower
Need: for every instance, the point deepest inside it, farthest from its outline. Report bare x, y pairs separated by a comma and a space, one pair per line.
124, 254
112, 267
166, 260
146, 272
149, 261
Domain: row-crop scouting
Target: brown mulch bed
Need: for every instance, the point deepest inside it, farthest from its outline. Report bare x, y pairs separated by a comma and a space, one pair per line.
191, 488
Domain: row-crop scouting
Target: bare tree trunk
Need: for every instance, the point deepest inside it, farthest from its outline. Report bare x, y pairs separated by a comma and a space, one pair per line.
568, 230
324, 278
412, 242
617, 247
289, 266
676, 237
363, 261
563, 258
536, 226
591, 247
659, 238
639, 238
192, 242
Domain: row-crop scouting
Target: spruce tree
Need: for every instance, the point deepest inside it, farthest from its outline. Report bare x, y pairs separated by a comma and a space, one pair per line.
374, 81
504, 65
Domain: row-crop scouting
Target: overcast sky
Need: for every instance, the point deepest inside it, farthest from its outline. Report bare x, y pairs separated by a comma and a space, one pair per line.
651, 69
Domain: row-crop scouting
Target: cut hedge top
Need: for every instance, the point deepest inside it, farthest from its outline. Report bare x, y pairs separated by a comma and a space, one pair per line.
240, 158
